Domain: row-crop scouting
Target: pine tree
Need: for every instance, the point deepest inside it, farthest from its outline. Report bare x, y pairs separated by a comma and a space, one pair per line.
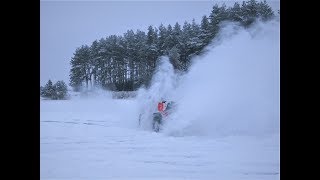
205, 31
249, 11
151, 53
41, 91
117, 64
95, 60
132, 55
151, 36
236, 13
174, 57
103, 73
177, 33
48, 90
162, 39
217, 15
177, 46
264, 11
186, 49
61, 90
143, 62
197, 43
80, 67
169, 40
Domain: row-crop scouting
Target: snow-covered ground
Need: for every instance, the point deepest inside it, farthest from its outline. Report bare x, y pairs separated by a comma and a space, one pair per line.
226, 126
96, 142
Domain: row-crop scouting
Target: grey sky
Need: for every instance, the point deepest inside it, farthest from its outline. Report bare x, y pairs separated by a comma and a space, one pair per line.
66, 25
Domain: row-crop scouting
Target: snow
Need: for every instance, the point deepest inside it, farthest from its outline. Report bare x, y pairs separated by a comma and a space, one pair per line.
97, 142
226, 125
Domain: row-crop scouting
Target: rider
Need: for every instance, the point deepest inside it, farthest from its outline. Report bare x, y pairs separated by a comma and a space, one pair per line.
162, 106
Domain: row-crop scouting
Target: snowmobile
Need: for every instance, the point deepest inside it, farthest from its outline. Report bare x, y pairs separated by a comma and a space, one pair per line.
165, 109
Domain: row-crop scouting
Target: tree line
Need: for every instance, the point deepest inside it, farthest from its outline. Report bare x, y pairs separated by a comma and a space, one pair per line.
125, 63
56, 91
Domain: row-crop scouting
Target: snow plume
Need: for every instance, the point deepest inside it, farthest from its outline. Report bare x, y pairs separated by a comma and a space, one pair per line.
163, 83
233, 89
96, 93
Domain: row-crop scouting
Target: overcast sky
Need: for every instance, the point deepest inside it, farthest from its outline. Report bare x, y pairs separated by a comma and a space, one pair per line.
66, 25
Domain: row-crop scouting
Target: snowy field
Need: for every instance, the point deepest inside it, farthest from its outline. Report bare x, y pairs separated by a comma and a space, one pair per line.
226, 126
95, 142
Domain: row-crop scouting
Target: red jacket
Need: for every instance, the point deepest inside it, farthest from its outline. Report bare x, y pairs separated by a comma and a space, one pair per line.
161, 106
